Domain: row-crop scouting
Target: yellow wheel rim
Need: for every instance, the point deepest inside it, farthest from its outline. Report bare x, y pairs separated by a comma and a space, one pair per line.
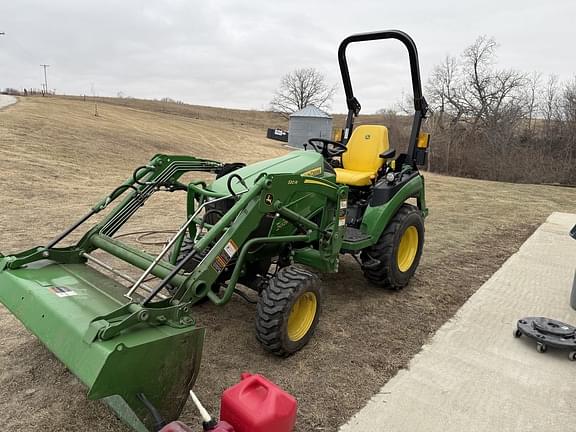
302, 316
407, 249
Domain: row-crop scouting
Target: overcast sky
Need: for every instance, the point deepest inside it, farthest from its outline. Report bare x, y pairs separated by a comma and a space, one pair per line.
233, 53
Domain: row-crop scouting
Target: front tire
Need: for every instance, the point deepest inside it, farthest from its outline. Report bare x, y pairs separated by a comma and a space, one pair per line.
393, 260
288, 311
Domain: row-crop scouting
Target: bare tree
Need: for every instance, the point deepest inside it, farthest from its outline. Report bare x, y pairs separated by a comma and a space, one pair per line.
444, 94
569, 103
533, 84
569, 110
446, 98
550, 102
472, 90
500, 124
478, 106
478, 59
300, 88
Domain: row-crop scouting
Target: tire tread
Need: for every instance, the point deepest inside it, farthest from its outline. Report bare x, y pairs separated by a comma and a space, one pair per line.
274, 304
383, 251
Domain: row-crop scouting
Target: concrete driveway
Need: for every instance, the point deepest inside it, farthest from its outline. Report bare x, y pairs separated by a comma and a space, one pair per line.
474, 375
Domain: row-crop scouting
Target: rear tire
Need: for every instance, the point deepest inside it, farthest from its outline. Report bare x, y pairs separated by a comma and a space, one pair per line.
398, 250
288, 311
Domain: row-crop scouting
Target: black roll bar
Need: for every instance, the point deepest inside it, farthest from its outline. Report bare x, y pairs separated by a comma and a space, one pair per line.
420, 104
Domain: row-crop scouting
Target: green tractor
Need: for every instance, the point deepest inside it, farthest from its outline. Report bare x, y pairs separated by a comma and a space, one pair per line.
270, 226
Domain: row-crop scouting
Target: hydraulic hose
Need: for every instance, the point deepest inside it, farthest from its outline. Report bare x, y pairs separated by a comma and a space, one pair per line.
229, 184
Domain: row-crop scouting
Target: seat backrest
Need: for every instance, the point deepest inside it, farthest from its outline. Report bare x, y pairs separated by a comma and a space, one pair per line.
364, 148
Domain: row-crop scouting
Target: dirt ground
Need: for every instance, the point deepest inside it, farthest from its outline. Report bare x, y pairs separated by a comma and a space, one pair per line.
57, 158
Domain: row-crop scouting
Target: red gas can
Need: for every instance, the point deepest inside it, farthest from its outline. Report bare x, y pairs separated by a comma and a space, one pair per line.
258, 405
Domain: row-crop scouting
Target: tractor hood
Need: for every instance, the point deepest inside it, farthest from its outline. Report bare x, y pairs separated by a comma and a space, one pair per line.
297, 162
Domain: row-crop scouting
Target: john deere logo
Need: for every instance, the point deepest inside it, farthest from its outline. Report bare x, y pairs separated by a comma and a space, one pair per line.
269, 199
367, 136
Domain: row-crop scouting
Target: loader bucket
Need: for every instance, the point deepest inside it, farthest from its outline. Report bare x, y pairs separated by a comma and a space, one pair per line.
57, 302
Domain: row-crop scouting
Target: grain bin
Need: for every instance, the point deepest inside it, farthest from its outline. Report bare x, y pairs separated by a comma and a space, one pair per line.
309, 122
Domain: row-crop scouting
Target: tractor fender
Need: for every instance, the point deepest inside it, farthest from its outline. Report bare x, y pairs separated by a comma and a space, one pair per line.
377, 217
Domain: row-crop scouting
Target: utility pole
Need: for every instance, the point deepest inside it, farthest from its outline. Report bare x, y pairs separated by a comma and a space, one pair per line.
45, 79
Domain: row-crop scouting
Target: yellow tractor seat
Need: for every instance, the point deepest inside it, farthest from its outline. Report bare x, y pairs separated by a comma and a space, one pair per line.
354, 178
361, 162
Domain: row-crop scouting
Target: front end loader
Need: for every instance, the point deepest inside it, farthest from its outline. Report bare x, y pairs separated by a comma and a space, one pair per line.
270, 226
138, 345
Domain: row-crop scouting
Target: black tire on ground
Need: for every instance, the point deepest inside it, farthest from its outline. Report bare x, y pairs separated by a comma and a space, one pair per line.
288, 311
185, 249
388, 272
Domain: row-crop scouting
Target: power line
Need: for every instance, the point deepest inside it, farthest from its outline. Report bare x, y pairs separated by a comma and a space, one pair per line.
45, 79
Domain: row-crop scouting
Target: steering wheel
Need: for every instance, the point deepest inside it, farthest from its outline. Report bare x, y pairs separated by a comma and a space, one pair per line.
329, 148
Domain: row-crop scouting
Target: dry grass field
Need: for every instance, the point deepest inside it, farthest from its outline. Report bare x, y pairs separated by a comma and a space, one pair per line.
57, 158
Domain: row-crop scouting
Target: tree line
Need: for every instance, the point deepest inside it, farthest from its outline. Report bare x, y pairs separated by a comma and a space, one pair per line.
500, 124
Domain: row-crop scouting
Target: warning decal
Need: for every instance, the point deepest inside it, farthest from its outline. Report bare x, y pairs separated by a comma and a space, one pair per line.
225, 256
230, 248
61, 291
